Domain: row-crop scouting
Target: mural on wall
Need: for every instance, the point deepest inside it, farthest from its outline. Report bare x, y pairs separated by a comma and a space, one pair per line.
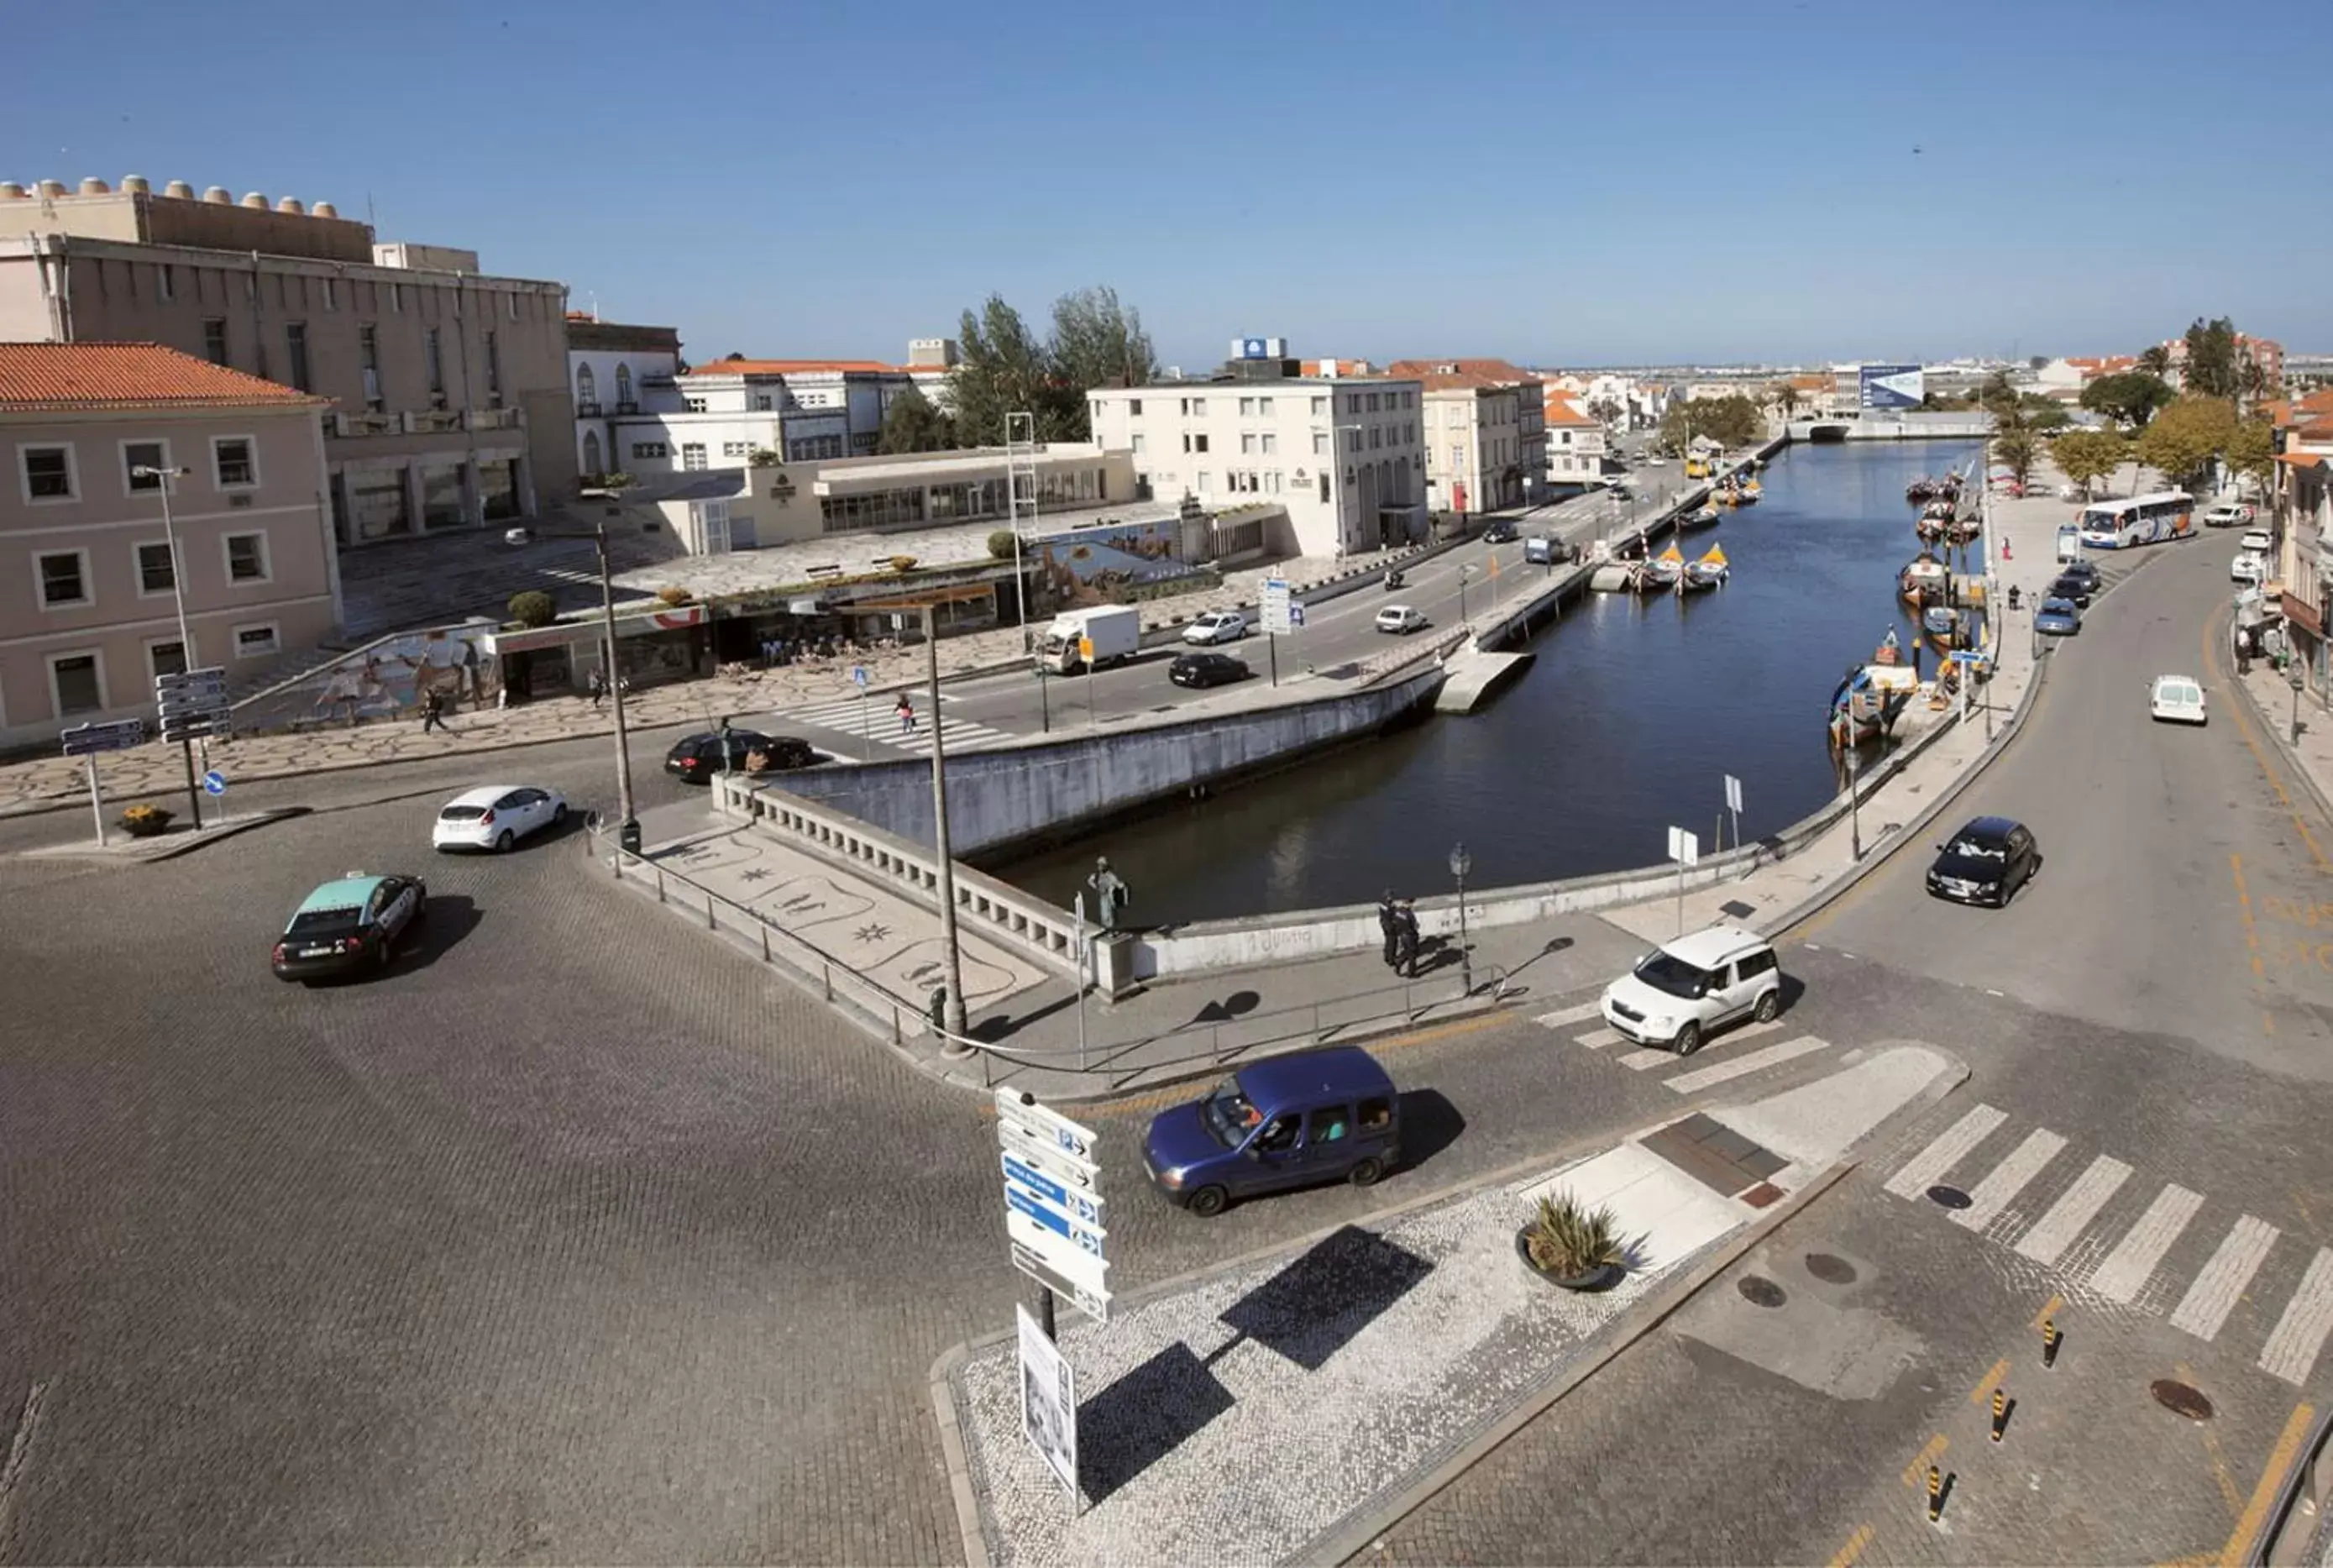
387, 679
1086, 565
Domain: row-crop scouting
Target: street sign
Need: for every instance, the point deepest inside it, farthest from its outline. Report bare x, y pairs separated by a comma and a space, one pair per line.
1079, 1204
1068, 1169
211, 677
1085, 649
1733, 794
1296, 616
1052, 1201
1048, 1403
1019, 1109
858, 677
1083, 1270
1278, 616
1685, 849
1023, 1200
214, 783
119, 736
1093, 1303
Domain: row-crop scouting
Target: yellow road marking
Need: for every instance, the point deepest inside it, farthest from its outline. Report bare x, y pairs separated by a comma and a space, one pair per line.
2220, 1471
2275, 779
2280, 1460
2049, 1311
2245, 907
1993, 1375
2196, 1560
1915, 1474
1846, 1556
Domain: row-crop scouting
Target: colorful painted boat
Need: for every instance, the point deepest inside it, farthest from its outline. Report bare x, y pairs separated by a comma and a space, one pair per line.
1709, 571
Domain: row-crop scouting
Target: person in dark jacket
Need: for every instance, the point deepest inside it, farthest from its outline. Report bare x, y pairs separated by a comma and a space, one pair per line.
1389, 925
1405, 940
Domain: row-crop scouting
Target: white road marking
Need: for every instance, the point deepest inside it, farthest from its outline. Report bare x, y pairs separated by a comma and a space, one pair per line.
1991, 992
1755, 1061
1924, 1170
2048, 1240
1569, 1015
2292, 1345
1989, 1197
1641, 1061
1596, 1039
2216, 1291
2124, 1270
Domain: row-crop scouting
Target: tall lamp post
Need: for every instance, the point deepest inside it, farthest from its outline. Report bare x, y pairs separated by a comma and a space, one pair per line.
163, 479
1465, 571
1854, 795
951, 1016
628, 828
1461, 862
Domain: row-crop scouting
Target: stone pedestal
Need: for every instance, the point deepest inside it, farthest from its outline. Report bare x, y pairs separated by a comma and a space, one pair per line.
1113, 965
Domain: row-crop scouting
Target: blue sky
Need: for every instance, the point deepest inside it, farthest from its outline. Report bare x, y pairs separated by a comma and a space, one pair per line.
1626, 181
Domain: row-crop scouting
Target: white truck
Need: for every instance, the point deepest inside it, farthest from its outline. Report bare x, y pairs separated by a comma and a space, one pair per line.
1114, 630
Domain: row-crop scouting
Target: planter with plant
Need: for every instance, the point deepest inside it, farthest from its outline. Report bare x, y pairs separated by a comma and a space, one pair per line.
143, 821
1571, 1246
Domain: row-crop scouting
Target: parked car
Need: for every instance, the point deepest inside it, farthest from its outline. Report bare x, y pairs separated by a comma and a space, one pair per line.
1207, 670
2082, 572
2176, 700
495, 816
696, 758
2058, 618
1216, 626
2257, 541
1499, 533
1682, 990
349, 925
1316, 1116
1985, 862
2076, 586
2247, 567
1401, 620
2227, 514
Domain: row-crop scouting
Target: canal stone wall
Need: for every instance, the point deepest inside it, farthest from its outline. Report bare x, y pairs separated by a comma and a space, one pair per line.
1011, 801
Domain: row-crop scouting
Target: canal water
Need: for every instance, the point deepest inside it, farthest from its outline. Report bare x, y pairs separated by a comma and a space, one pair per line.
1628, 723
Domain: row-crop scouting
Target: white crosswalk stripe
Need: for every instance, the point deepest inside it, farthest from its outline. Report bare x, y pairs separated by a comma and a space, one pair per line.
1989, 1197
1557, 1020
2055, 1232
1923, 1170
1646, 1059
2292, 1345
2126, 1269
876, 723
1596, 1039
2216, 1291
1754, 1062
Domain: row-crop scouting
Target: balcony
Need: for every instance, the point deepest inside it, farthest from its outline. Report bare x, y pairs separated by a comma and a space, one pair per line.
627, 408
587, 410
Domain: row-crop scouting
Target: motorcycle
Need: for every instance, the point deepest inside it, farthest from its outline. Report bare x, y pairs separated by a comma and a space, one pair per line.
1392, 579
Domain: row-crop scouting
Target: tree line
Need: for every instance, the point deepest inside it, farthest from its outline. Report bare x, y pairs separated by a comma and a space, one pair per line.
1005, 367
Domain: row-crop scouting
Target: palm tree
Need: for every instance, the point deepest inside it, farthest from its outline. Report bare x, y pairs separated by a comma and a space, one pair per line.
2016, 449
1786, 397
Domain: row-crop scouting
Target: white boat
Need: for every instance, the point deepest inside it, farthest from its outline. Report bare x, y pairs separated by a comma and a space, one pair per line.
1709, 571
1924, 578
1663, 571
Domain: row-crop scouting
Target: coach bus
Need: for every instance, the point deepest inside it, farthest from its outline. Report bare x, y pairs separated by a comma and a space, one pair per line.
2141, 520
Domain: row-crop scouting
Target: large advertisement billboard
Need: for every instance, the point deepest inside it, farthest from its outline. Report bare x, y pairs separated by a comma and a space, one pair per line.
1890, 387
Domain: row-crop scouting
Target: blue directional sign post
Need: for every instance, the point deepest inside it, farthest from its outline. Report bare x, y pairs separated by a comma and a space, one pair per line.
86, 740
1054, 1206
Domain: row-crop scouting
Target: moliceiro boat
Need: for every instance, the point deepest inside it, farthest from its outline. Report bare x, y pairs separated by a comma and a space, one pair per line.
1869, 700
1700, 517
1924, 578
1948, 628
1709, 571
1663, 571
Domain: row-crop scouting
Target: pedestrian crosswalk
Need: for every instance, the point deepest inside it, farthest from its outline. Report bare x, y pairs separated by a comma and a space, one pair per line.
1720, 1060
874, 722
2100, 1230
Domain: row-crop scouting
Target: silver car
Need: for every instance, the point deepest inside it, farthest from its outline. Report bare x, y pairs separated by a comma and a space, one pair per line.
1216, 626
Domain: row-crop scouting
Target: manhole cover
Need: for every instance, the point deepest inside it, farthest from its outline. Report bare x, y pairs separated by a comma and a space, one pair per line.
2181, 1398
1830, 1270
1759, 1292
1948, 1197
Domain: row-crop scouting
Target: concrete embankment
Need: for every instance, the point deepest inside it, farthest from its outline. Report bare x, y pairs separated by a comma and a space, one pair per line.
1011, 800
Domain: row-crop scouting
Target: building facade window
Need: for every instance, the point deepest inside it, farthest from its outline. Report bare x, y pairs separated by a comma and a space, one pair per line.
48, 473
587, 387
396, 297
1140, 446
369, 361
1134, 408
695, 405
246, 558
332, 293
234, 463
257, 642
76, 683
158, 573
214, 340
692, 455
63, 577
494, 372
650, 450
167, 657
624, 386
434, 360
295, 355
761, 403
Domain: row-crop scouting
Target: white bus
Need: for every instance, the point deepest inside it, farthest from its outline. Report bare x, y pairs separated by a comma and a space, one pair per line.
2141, 520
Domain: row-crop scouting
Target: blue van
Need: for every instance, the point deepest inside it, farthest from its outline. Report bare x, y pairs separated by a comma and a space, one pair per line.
1288, 1122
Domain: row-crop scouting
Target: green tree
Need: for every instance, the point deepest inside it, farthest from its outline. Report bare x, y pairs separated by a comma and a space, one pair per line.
2251, 383
1785, 398
533, 608
2017, 449
2183, 439
2156, 362
911, 424
1005, 369
2211, 367
2086, 457
2251, 451
1733, 420
2131, 396
2043, 413
1099, 342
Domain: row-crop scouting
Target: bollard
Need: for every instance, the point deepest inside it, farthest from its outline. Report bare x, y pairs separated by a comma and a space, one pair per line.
2050, 1337
1936, 1493
825, 974
765, 945
659, 877
1999, 1413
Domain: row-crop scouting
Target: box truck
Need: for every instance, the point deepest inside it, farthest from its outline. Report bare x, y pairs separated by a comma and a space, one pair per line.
1114, 630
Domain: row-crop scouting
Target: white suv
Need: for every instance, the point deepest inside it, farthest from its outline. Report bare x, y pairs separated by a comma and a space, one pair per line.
1681, 990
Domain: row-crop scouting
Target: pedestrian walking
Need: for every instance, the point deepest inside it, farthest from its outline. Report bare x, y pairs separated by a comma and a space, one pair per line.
433, 712
1405, 940
906, 712
1389, 927
598, 690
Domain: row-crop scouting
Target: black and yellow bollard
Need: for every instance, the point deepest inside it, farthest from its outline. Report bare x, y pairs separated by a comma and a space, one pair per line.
1936, 1493
1999, 1413
2050, 1337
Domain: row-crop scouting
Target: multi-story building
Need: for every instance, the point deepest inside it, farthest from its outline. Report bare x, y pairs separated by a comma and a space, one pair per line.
2265, 352
1261, 429
1575, 441
1485, 439
448, 389
2302, 513
94, 601
617, 370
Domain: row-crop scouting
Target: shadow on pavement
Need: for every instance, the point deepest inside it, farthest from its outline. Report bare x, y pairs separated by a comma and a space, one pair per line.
1429, 1124
447, 920
1144, 1416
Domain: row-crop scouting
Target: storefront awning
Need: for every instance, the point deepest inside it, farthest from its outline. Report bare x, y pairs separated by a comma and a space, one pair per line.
961, 593
573, 633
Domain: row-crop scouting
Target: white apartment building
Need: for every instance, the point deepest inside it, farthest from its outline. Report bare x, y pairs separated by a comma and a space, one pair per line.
1485, 434
616, 372
1264, 431
1576, 441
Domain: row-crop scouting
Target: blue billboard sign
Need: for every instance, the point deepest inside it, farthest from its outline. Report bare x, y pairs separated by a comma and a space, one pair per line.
1891, 386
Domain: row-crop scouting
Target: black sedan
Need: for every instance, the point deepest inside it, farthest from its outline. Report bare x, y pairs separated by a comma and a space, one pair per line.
2075, 585
1207, 670
350, 924
696, 758
1985, 862
1499, 533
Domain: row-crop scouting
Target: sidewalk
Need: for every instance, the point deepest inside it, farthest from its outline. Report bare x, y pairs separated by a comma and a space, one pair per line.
2268, 696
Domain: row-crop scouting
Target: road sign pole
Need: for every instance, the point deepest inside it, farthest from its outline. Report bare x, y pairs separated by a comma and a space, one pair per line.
96, 798
194, 789
1078, 916
1272, 651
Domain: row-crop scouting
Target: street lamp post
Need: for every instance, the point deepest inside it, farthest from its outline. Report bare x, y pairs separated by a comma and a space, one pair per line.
1461, 862
952, 1017
1854, 796
1465, 571
163, 478
627, 827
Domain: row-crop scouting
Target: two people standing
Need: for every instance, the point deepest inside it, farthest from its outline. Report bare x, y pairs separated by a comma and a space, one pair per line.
1397, 921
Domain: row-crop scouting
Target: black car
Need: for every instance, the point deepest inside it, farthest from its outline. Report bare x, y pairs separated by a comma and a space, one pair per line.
350, 924
1207, 670
1985, 862
696, 758
2077, 583
1499, 533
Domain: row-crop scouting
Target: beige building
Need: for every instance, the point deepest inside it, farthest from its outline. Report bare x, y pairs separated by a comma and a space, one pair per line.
448, 392
1485, 437
91, 590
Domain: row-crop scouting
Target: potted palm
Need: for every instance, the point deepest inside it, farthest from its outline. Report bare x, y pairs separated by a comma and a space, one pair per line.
145, 822
1571, 1246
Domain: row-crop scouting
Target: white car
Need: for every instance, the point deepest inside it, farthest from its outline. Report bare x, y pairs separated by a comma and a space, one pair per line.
1216, 626
2176, 700
2248, 568
2227, 514
1681, 990
1401, 620
495, 816
1657, 461
2257, 541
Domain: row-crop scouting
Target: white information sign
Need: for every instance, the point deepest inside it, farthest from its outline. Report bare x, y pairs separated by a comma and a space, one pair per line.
1054, 1206
1278, 618
1685, 849
1733, 794
1048, 1403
